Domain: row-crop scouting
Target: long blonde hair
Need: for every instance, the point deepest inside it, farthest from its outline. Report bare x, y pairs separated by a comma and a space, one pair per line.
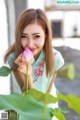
27, 17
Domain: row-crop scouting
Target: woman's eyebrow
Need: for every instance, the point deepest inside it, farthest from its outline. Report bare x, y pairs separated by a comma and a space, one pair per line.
24, 34
35, 33
32, 34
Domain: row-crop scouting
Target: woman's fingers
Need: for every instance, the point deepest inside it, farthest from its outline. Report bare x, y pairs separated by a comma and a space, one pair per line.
32, 60
24, 61
22, 68
28, 62
24, 65
26, 69
18, 61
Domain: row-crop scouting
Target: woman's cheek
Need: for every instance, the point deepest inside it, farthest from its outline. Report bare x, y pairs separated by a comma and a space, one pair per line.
24, 43
39, 42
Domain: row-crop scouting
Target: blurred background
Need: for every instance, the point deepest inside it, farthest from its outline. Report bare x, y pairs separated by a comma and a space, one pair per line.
65, 23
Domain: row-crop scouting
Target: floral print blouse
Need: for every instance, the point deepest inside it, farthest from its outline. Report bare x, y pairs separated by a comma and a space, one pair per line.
41, 82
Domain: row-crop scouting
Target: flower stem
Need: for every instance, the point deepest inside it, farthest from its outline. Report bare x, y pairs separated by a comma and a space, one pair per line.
27, 78
18, 116
44, 109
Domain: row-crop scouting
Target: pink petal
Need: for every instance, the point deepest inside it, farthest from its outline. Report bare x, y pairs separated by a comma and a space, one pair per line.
27, 54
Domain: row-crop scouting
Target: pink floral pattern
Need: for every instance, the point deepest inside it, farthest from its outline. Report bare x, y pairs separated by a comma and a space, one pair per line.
38, 70
41, 64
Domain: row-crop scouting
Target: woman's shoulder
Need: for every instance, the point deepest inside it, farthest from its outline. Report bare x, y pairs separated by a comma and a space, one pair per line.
12, 55
55, 52
58, 59
11, 59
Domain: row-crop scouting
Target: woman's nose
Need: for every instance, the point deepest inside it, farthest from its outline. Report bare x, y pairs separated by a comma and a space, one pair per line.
30, 44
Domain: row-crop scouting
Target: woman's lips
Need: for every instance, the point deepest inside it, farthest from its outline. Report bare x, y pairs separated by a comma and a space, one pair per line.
32, 50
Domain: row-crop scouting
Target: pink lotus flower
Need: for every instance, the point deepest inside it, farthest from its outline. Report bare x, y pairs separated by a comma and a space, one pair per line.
28, 55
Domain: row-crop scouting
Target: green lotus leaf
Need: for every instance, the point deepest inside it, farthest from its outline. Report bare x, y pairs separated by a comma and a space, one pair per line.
5, 71
27, 105
72, 101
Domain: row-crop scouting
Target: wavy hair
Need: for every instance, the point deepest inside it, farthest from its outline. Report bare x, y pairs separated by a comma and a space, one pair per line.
27, 17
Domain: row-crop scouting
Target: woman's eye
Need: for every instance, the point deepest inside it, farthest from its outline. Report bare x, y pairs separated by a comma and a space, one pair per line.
23, 36
37, 36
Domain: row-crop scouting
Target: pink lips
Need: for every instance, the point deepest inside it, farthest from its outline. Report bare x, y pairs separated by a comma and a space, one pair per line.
32, 50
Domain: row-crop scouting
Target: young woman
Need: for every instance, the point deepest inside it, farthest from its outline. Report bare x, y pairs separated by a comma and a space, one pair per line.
33, 30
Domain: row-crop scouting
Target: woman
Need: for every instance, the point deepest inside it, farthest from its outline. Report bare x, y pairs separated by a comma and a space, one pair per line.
33, 31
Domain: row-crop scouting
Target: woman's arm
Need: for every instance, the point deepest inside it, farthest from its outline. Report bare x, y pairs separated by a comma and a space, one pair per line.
20, 73
21, 80
52, 81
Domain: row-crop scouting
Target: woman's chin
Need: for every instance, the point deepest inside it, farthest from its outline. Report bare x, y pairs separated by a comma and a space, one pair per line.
36, 55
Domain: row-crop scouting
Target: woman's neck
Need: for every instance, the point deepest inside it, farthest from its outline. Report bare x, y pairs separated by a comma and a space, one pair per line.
36, 56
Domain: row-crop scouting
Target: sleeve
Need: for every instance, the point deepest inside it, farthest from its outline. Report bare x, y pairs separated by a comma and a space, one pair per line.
10, 60
59, 61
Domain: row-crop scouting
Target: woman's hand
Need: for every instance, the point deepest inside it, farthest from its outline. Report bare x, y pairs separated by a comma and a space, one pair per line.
24, 61
25, 68
18, 61
24, 65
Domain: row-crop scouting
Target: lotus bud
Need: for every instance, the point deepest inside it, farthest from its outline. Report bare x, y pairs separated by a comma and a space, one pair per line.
28, 55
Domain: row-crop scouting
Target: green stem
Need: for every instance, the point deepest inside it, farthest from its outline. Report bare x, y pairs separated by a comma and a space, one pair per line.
10, 115
44, 110
18, 116
27, 78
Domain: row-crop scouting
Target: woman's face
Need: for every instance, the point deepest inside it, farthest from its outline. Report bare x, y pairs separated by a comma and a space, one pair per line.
33, 37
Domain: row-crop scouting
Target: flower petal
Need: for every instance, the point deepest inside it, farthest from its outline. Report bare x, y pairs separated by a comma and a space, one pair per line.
27, 54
